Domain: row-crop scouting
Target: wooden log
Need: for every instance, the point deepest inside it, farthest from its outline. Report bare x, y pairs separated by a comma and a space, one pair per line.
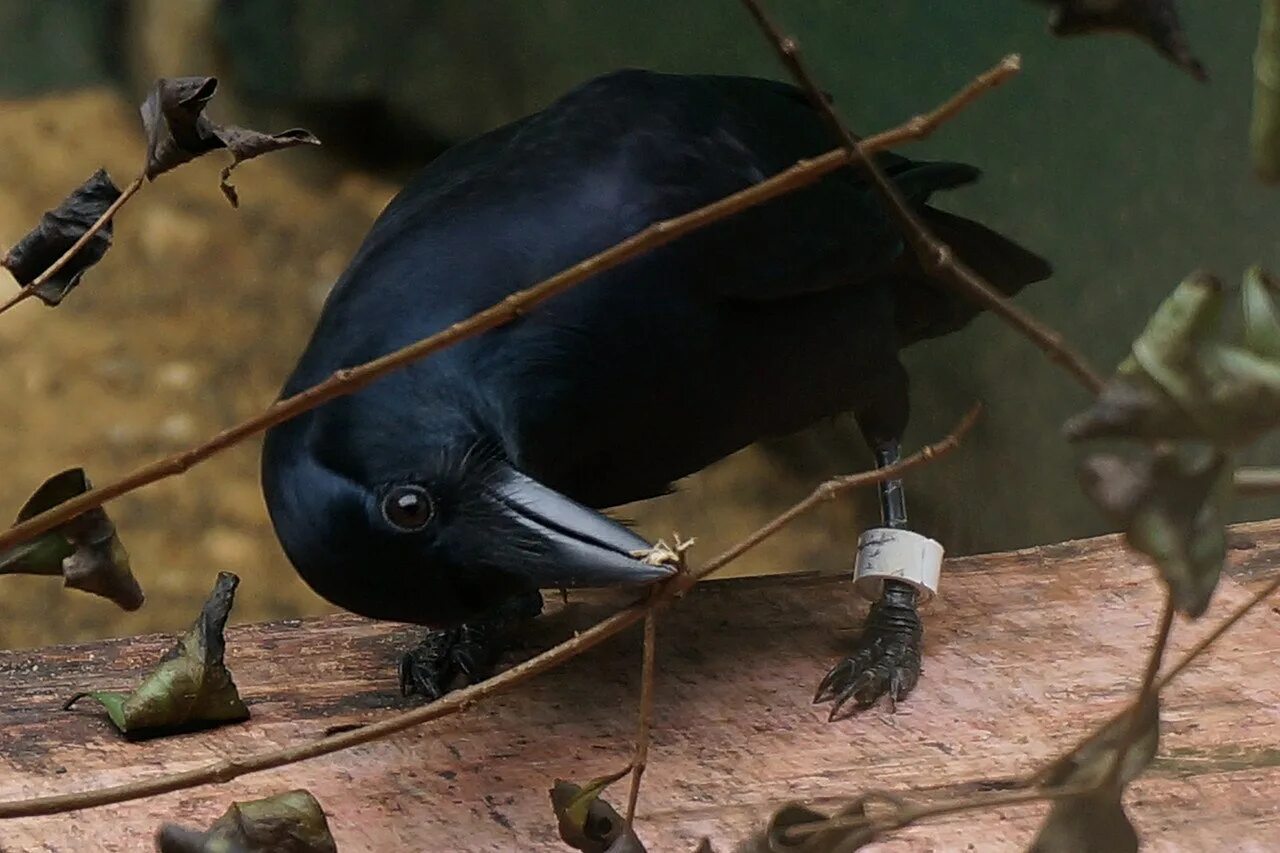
1025, 651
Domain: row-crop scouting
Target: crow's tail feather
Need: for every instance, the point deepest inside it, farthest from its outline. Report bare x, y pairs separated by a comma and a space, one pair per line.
928, 308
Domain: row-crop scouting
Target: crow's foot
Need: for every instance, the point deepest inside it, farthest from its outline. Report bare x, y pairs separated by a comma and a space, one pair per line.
885, 660
433, 667
467, 654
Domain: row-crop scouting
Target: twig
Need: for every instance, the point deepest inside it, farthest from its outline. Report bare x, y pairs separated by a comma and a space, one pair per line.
352, 379
906, 813
1147, 689
1177, 669
935, 256
641, 758
1203, 646
461, 700
1257, 481
30, 288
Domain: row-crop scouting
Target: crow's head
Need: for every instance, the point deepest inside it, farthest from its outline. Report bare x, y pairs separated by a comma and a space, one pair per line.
430, 525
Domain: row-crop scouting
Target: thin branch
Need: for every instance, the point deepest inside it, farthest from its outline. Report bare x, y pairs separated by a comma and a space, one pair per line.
30, 288
1203, 646
935, 256
1147, 689
352, 379
641, 758
905, 813
461, 700
1176, 670
834, 487
1253, 482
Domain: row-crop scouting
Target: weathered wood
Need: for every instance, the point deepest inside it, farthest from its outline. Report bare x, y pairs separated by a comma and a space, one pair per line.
1024, 652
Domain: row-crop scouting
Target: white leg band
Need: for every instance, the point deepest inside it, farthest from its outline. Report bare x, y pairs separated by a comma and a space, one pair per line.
900, 555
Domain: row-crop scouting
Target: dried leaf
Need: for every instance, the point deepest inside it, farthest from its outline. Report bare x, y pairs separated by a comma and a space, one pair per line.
178, 130
1091, 762
245, 144
191, 687
1090, 823
180, 839
85, 550
1173, 507
588, 823
1183, 381
1155, 21
835, 839
292, 822
1095, 822
58, 231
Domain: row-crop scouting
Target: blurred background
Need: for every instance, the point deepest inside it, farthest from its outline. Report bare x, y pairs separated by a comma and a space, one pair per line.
1120, 168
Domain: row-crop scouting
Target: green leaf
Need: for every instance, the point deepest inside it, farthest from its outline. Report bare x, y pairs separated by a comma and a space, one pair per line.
1173, 508
292, 822
588, 823
1184, 381
85, 550
1261, 314
191, 687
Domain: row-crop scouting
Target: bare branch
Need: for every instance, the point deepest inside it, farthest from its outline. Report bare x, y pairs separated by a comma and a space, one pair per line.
461, 700
352, 379
935, 256
641, 758
1253, 482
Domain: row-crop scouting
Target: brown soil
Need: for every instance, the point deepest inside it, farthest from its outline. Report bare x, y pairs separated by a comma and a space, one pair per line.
189, 325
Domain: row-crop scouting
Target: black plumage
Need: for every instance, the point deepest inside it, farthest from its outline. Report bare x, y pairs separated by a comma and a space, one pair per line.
756, 326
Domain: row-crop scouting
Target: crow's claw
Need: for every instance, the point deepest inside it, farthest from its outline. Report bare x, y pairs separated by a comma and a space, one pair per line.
885, 660
433, 666
469, 652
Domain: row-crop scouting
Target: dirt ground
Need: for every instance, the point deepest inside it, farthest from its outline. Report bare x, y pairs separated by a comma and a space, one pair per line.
190, 324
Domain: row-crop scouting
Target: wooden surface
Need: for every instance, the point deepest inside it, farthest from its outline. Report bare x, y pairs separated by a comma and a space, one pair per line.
1024, 651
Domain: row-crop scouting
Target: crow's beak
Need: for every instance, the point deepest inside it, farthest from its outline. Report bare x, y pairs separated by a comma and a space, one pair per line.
582, 547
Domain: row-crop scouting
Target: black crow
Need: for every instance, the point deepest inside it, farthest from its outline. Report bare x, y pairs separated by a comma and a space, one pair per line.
448, 493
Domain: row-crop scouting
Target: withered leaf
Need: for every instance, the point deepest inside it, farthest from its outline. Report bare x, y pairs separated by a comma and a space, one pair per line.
191, 687
178, 130
834, 839
1155, 21
1183, 381
1173, 507
1091, 762
58, 231
1095, 822
292, 822
588, 823
179, 839
1090, 823
85, 551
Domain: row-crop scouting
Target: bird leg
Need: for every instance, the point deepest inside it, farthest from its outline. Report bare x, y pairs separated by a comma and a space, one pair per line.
886, 658
470, 651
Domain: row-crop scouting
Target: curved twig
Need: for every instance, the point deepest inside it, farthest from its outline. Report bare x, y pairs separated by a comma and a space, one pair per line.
352, 379
461, 700
935, 255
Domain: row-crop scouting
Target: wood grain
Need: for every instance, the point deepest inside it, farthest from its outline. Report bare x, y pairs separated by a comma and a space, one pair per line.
1024, 651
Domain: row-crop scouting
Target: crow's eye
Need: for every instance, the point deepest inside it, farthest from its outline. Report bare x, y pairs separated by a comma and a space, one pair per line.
408, 507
